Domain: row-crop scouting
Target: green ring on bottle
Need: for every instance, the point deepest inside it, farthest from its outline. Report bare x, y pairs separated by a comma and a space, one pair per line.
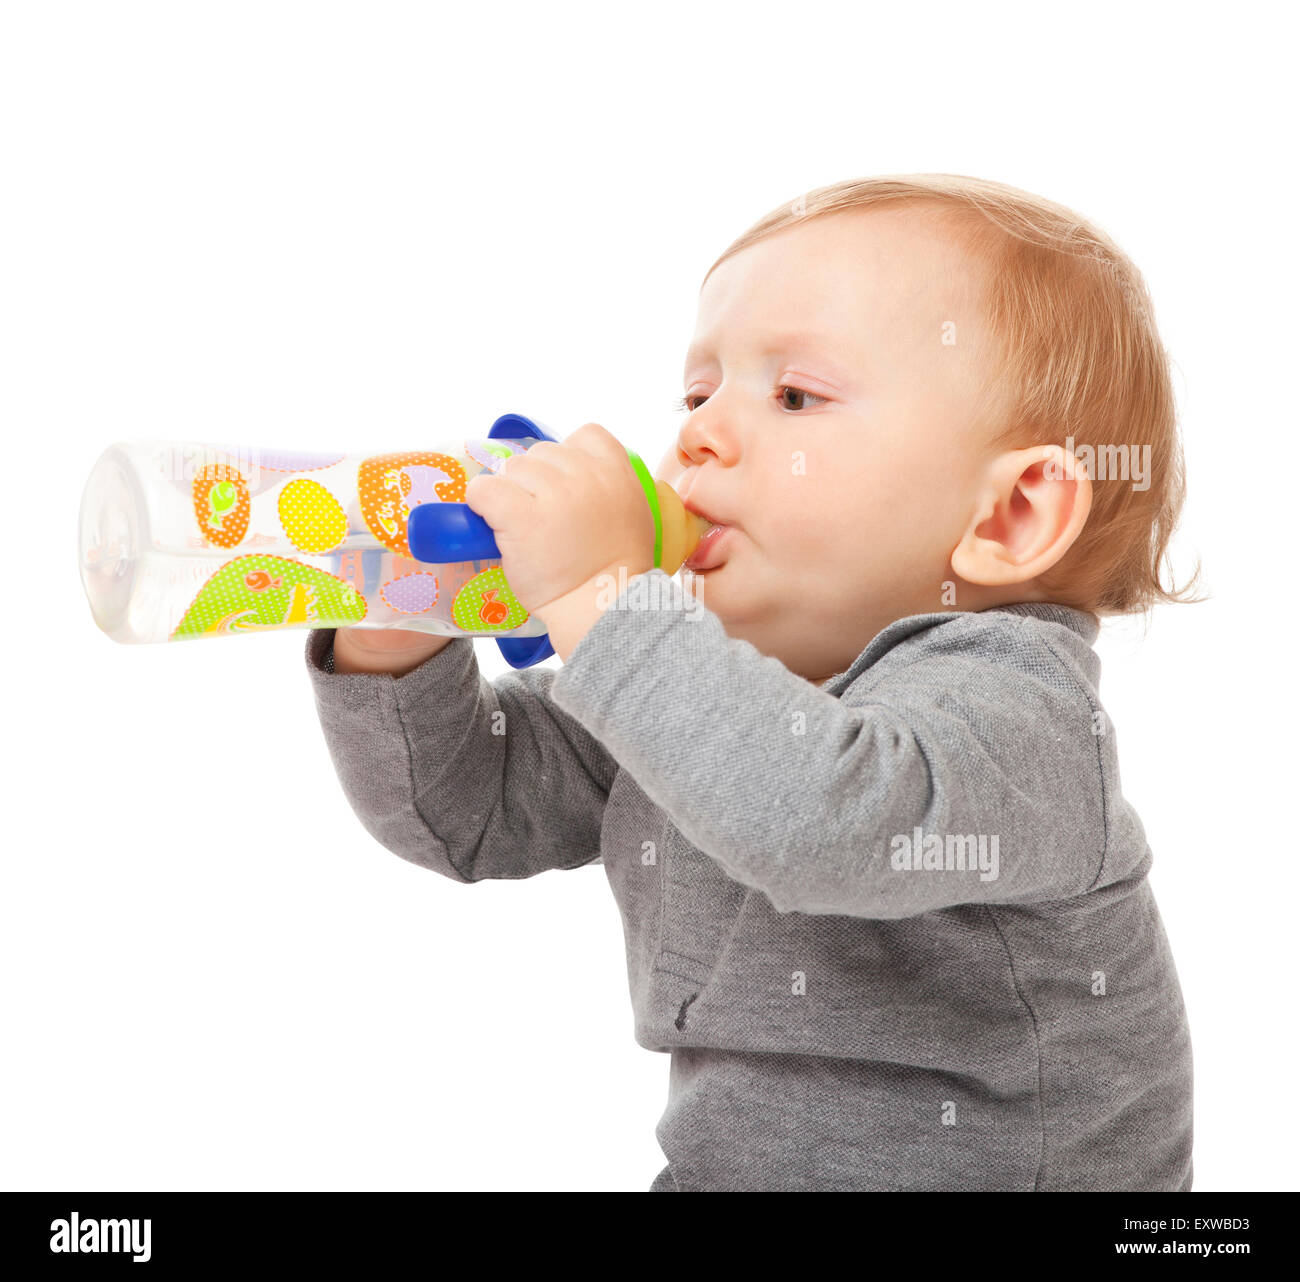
651, 497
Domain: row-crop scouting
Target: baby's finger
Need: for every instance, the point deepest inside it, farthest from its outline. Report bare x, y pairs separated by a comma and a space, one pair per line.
499, 501
597, 441
538, 470
562, 456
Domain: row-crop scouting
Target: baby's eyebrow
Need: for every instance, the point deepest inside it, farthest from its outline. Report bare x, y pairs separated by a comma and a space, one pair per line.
800, 344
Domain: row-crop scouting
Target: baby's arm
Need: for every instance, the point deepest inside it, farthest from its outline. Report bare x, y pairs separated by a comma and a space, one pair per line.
805, 796
470, 778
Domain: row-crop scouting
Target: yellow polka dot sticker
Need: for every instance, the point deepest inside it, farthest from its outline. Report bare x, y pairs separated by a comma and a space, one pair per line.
312, 517
486, 604
390, 485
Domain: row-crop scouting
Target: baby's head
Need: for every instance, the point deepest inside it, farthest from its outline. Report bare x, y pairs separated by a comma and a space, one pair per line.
920, 394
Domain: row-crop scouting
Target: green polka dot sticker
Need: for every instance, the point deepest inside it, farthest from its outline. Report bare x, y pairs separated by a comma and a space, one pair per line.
256, 593
486, 604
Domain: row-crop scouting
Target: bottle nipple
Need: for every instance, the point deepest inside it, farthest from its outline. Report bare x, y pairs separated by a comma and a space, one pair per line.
677, 531
682, 530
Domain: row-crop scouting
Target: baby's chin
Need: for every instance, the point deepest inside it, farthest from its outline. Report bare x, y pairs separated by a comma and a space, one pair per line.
728, 591
699, 583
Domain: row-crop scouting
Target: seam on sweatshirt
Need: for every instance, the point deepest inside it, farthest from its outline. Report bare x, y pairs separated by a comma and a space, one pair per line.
731, 932
690, 979
515, 692
410, 773
709, 969
979, 628
1093, 708
1038, 1046
661, 866
669, 834
565, 725
673, 956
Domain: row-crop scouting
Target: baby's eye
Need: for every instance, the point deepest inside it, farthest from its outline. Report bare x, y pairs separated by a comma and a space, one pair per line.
797, 391
688, 403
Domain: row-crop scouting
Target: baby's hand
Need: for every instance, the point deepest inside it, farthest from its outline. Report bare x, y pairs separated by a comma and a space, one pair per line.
563, 513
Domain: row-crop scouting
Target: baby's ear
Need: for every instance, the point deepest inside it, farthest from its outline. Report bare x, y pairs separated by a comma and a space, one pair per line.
1030, 507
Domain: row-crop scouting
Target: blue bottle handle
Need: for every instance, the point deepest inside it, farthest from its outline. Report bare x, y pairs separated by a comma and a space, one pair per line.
444, 532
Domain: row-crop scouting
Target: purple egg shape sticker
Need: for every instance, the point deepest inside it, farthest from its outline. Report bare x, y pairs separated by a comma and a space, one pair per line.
491, 454
411, 593
295, 460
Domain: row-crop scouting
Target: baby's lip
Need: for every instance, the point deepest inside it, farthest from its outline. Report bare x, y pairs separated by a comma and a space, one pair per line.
708, 516
706, 555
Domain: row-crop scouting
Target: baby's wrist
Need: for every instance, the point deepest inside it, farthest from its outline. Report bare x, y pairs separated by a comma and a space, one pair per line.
391, 651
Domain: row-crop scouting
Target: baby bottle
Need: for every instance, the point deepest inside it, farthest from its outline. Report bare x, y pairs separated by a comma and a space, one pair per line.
185, 540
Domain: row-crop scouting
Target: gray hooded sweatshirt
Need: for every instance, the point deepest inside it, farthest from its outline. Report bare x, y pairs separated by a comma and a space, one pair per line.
895, 932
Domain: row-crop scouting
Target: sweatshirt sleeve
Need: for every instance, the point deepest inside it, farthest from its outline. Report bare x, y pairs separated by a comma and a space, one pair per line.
467, 777
828, 805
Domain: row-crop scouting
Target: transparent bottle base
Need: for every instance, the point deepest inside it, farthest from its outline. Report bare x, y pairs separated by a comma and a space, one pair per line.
294, 542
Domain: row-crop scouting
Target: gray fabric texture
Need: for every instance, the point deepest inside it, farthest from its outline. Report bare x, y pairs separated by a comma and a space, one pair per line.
896, 932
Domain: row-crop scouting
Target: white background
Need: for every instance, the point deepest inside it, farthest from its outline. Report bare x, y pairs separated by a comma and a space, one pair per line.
354, 225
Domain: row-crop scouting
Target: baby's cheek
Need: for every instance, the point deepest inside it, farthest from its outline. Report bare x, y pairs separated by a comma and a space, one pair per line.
814, 520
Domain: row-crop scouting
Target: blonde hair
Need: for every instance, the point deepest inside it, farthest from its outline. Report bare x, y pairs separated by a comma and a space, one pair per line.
1079, 356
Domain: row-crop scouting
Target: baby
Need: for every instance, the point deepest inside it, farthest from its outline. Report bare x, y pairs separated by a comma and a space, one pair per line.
848, 774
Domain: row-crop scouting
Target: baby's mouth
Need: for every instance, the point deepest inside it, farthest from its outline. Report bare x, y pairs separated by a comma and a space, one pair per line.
711, 550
